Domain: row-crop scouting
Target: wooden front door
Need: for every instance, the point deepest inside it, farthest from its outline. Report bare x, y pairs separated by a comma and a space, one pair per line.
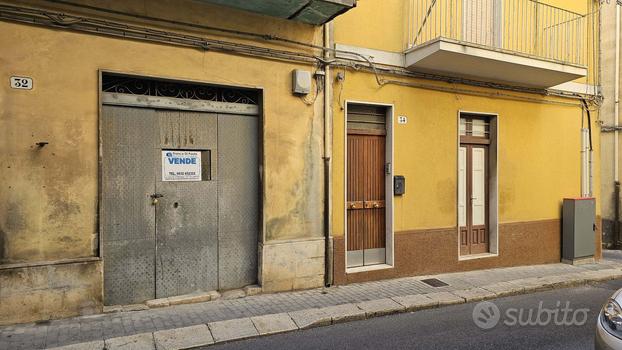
366, 181
473, 188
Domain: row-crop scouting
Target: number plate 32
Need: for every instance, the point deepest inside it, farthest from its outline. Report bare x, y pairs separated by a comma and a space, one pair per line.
23, 83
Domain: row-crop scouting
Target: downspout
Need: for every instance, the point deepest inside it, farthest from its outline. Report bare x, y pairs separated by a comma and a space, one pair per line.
328, 246
616, 112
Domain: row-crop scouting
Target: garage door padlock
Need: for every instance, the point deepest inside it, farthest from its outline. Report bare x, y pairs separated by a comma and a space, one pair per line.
154, 198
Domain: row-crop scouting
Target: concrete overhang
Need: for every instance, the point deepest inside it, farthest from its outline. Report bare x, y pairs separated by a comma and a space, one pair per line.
452, 58
314, 12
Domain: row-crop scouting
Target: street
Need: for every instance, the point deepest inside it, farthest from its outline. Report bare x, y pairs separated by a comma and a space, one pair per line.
453, 327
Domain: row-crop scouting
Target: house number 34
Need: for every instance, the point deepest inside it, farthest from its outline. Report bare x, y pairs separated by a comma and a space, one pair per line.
23, 83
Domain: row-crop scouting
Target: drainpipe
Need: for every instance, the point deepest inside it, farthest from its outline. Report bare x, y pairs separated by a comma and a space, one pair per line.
616, 176
328, 248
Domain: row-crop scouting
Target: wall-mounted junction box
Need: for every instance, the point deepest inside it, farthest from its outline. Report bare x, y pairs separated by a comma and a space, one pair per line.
301, 82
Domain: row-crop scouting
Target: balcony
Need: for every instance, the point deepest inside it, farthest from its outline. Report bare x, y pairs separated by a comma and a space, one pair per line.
314, 12
516, 42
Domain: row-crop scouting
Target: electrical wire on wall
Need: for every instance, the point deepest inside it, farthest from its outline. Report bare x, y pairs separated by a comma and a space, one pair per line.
589, 121
341, 79
363, 63
318, 78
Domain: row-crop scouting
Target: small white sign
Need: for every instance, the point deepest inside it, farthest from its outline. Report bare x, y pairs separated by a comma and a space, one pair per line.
402, 119
23, 83
181, 165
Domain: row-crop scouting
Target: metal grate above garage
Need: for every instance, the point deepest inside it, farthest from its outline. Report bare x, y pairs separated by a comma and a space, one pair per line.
314, 12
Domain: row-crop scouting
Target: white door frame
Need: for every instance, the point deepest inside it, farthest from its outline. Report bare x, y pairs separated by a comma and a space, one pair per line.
389, 197
493, 185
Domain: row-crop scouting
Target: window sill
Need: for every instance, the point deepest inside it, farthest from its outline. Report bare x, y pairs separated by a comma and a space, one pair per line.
368, 268
477, 256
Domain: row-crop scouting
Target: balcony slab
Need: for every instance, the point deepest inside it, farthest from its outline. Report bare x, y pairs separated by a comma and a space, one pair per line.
459, 59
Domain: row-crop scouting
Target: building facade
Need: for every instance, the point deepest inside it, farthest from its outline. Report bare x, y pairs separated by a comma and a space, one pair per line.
609, 116
485, 166
158, 149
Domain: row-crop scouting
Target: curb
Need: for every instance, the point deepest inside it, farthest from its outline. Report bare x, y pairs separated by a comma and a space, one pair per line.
191, 298
256, 326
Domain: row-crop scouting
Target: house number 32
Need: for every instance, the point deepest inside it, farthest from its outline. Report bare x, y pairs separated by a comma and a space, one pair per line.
23, 83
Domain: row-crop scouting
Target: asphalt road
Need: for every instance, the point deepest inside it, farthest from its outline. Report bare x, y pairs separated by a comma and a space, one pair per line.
453, 327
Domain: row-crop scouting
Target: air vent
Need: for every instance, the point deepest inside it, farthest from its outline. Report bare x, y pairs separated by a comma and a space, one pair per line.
434, 282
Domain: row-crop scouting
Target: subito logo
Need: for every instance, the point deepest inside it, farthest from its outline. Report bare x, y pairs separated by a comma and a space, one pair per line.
486, 315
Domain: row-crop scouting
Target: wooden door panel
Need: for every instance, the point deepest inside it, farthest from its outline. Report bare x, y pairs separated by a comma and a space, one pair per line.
375, 229
356, 169
473, 199
479, 240
464, 241
462, 188
375, 192
366, 191
356, 217
356, 223
478, 186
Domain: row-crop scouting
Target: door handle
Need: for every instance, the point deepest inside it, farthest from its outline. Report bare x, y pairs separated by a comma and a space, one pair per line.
154, 198
356, 205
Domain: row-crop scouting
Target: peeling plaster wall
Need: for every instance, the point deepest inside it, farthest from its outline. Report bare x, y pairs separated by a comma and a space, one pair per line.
49, 292
49, 195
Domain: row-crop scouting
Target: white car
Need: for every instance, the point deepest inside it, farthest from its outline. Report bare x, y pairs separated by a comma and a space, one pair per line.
609, 324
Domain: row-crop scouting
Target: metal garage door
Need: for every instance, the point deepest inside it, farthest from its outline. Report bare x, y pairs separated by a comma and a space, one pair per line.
164, 236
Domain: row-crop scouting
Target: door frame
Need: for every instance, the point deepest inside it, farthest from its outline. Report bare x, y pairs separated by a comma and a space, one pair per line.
261, 149
493, 185
389, 196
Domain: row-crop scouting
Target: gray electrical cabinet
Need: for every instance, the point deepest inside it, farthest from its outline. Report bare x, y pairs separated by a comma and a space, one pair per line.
579, 224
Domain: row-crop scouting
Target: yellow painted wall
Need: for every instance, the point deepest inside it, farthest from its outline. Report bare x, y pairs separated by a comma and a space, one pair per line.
539, 152
385, 25
48, 196
48, 209
539, 143
374, 24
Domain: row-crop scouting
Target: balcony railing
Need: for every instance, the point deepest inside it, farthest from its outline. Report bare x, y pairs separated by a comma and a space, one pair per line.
524, 27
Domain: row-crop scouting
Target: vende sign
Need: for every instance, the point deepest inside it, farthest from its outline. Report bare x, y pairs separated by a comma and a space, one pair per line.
181, 166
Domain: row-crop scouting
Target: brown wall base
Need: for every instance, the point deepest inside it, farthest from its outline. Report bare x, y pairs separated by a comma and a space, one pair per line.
424, 252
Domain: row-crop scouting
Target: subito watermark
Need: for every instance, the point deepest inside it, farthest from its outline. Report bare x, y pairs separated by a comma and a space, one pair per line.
487, 315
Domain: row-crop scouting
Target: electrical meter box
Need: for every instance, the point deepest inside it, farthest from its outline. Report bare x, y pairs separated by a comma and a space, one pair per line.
579, 226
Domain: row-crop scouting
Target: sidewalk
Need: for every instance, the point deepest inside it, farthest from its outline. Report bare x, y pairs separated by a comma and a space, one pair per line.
296, 310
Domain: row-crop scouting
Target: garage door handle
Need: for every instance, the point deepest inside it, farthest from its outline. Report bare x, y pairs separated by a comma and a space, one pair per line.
154, 198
